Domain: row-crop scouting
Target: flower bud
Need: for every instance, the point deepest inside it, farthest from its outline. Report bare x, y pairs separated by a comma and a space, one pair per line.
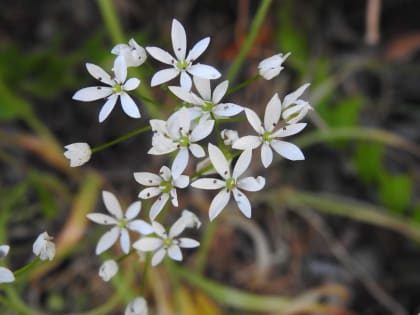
108, 270
296, 112
190, 219
133, 53
78, 153
229, 136
271, 67
43, 247
136, 307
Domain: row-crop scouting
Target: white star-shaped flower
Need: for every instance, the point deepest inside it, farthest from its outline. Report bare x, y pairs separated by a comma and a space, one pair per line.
164, 185
268, 137
6, 276
43, 247
165, 244
272, 66
122, 223
138, 306
208, 103
133, 53
180, 133
231, 183
78, 153
182, 65
118, 87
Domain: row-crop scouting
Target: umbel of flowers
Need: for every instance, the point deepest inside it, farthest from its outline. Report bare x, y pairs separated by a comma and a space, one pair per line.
190, 137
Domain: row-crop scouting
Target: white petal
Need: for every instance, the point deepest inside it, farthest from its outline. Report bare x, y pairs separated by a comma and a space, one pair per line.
159, 229
247, 142
174, 197
185, 81
254, 120
180, 162
148, 244
197, 150
165, 173
198, 49
158, 125
119, 49
181, 181
177, 228
99, 74
92, 93
131, 84
101, 218
150, 192
289, 130
175, 252
129, 106
163, 76
161, 55
125, 241
182, 94
219, 161
208, 183
227, 110
147, 179
179, 123
218, 203
108, 269
287, 150
107, 107
272, 113
291, 98
203, 87
140, 227
158, 206
179, 39
220, 91
243, 163
133, 210
186, 242
243, 202
6, 276
107, 240
120, 69
204, 71
266, 155
158, 257
112, 204
251, 183
4, 250
202, 130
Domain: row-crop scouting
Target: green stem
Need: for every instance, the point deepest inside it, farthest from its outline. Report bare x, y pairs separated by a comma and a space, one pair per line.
17, 304
254, 28
203, 252
111, 20
120, 139
243, 84
145, 274
27, 267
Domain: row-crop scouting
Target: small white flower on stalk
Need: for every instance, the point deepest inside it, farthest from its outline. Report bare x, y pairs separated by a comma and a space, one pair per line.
6, 276
43, 247
182, 65
164, 185
78, 153
190, 219
138, 306
133, 53
122, 223
229, 136
165, 244
208, 104
180, 133
118, 87
272, 66
108, 269
268, 137
231, 183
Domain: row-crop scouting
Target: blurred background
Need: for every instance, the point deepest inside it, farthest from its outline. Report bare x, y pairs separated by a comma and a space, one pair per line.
337, 233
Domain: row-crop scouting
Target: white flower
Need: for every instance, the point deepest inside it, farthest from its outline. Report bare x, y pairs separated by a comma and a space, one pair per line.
230, 183
117, 88
208, 103
78, 153
165, 244
268, 137
190, 219
122, 223
108, 269
43, 247
180, 133
136, 307
164, 185
133, 53
229, 136
6, 275
181, 64
271, 67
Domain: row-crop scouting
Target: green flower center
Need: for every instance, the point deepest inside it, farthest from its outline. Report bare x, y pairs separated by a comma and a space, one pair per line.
167, 242
266, 136
122, 223
117, 88
182, 64
230, 183
165, 187
208, 106
184, 141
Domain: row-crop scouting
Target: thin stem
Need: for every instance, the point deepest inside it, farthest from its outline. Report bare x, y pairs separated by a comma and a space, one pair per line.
205, 247
27, 267
254, 28
243, 84
121, 139
145, 274
111, 20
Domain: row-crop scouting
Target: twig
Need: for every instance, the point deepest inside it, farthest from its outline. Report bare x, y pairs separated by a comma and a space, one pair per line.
373, 10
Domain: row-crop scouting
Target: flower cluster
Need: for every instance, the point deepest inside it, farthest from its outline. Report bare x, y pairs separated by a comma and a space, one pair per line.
188, 135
